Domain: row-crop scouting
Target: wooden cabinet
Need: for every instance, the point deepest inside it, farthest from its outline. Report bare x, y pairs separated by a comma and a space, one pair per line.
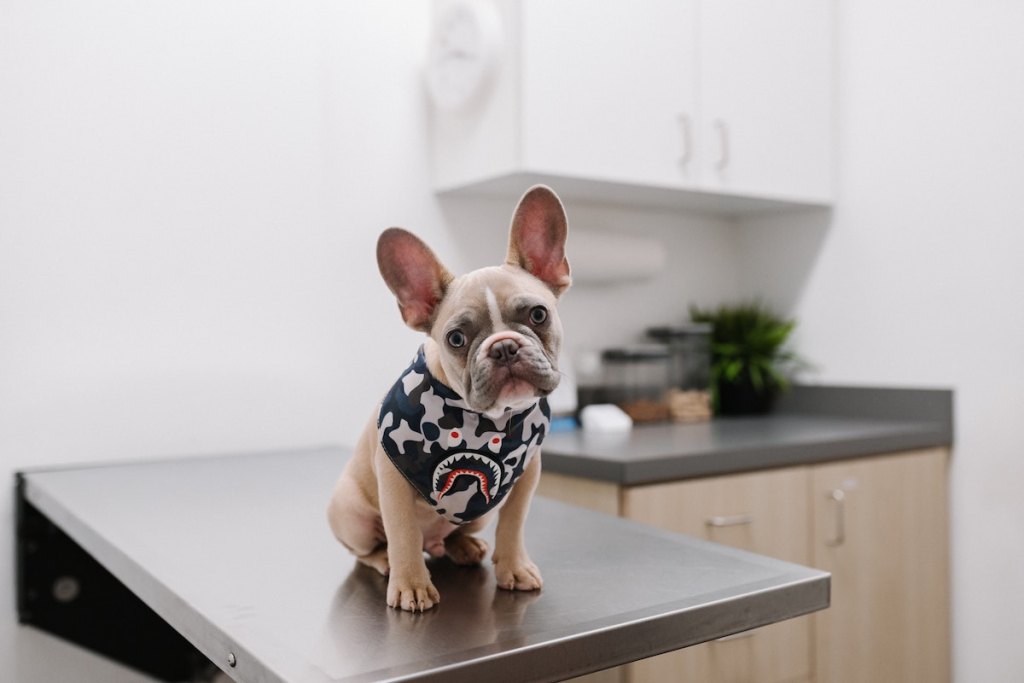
765, 513
723, 98
879, 524
880, 527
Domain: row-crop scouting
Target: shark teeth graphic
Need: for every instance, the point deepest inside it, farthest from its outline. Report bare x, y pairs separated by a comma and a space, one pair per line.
472, 464
455, 474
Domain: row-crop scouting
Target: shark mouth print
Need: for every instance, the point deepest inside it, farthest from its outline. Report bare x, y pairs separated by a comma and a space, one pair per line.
483, 469
460, 462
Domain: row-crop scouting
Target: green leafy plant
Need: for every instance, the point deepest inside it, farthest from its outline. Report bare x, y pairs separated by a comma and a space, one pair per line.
748, 345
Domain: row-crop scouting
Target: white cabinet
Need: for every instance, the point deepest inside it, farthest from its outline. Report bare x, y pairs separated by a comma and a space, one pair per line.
710, 103
766, 98
609, 90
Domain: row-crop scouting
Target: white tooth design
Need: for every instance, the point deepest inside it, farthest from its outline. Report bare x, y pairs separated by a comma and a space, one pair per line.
445, 466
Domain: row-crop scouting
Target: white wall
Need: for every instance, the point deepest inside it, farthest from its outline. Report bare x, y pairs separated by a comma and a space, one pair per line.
918, 278
189, 195
189, 198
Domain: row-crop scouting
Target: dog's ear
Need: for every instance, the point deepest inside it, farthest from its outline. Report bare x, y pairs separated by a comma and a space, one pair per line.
537, 238
413, 274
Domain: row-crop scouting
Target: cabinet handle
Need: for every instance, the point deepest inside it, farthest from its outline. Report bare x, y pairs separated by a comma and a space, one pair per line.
730, 520
723, 145
839, 497
687, 140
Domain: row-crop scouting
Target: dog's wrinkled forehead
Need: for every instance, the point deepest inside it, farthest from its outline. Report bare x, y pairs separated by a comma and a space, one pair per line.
491, 299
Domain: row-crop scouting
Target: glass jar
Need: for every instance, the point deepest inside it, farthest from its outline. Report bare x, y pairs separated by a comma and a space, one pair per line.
636, 379
689, 395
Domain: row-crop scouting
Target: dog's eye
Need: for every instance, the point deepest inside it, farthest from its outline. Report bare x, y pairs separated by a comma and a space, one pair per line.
538, 314
456, 339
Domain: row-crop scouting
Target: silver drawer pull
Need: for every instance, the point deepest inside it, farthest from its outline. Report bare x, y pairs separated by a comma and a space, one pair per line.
735, 636
730, 520
839, 497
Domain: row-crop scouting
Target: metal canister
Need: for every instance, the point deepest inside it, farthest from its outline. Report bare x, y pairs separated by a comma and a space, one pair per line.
637, 379
689, 346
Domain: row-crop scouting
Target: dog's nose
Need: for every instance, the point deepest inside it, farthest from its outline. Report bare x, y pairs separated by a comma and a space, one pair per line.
503, 350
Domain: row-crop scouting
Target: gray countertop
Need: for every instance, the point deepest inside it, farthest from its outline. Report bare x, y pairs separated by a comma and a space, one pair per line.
234, 552
812, 424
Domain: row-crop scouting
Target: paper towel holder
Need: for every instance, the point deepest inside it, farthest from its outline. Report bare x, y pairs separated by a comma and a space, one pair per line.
608, 258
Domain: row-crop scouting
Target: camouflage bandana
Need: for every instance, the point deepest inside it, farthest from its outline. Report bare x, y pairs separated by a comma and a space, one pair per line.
460, 461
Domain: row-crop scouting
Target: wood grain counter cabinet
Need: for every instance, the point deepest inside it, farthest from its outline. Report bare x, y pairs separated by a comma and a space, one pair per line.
878, 522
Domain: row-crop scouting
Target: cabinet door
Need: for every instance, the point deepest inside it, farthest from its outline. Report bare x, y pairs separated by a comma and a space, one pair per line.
600, 496
880, 527
764, 512
608, 90
766, 71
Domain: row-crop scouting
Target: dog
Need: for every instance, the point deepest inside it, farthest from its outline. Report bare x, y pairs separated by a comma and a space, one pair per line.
456, 439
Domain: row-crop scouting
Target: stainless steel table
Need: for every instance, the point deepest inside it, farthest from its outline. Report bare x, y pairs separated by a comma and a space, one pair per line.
235, 554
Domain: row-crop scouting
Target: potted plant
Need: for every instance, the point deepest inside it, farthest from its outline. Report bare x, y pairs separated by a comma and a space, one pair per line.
749, 360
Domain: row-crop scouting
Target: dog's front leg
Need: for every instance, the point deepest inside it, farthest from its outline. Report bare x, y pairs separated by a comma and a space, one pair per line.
409, 585
512, 565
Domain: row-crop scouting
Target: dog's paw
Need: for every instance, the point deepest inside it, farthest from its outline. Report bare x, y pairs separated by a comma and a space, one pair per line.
377, 560
464, 549
412, 593
517, 574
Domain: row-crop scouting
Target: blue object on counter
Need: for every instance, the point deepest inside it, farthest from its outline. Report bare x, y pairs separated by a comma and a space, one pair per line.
561, 425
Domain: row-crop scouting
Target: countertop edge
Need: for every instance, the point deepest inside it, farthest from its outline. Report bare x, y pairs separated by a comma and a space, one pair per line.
895, 420
733, 461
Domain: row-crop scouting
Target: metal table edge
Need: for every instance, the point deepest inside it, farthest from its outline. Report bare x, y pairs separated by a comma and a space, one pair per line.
146, 586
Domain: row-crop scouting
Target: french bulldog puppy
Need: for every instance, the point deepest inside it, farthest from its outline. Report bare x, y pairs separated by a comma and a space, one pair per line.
456, 439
